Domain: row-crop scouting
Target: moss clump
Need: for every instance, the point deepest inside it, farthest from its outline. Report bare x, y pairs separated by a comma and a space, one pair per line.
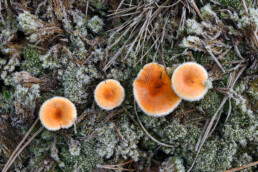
95, 24
111, 144
172, 164
253, 90
182, 137
32, 62
216, 155
40, 156
86, 161
236, 4
6, 102
211, 102
242, 128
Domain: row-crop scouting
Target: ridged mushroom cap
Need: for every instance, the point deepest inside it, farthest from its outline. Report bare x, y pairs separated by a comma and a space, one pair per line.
57, 113
153, 91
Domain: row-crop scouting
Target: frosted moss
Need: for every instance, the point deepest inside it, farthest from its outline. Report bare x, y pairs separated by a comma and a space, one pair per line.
172, 164
110, 143
95, 24
28, 22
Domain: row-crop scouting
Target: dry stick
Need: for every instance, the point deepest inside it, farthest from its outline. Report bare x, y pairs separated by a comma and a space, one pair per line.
203, 130
146, 132
23, 147
114, 168
22, 141
236, 49
117, 165
213, 57
121, 49
229, 110
193, 4
207, 132
245, 7
87, 7
119, 6
217, 121
247, 14
242, 167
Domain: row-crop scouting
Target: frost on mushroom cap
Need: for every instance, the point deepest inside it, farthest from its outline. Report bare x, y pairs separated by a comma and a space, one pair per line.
109, 94
188, 81
57, 112
153, 91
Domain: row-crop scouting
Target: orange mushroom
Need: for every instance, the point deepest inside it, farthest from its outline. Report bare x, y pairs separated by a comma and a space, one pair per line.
188, 81
57, 112
109, 94
153, 92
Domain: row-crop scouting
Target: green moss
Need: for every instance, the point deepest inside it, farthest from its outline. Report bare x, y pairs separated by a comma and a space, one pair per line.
173, 164
85, 162
6, 103
226, 62
216, 155
236, 4
202, 59
40, 156
211, 102
32, 62
253, 90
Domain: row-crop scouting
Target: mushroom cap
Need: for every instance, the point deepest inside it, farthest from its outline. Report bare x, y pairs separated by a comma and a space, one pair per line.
153, 92
188, 81
109, 94
57, 113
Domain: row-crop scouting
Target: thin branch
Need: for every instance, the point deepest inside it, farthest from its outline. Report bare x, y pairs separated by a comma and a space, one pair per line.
242, 167
245, 7
20, 144
213, 57
146, 132
193, 4
22, 148
230, 86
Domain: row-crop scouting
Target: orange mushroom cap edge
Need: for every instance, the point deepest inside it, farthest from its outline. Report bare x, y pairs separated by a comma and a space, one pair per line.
153, 91
188, 81
57, 113
109, 94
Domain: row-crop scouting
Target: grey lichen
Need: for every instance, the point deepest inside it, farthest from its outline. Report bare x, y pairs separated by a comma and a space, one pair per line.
86, 161
25, 102
75, 81
95, 24
210, 102
28, 22
217, 155
172, 164
113, 144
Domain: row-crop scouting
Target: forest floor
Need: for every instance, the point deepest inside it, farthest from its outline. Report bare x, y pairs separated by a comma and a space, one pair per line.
66, 48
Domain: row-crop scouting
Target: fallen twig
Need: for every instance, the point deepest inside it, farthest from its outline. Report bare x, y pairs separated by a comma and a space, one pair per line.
19, 145
115, 167
242, 167
146, 132
230, 85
